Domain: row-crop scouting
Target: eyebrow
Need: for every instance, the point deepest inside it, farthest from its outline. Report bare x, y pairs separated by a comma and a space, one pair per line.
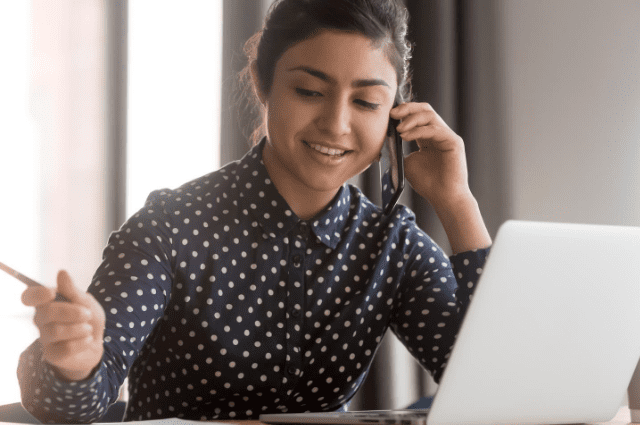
324, 77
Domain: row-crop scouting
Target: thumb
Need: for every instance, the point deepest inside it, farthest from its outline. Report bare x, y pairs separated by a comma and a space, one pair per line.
67, 289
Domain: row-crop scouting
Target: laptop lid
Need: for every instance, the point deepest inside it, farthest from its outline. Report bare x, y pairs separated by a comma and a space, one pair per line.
552, 334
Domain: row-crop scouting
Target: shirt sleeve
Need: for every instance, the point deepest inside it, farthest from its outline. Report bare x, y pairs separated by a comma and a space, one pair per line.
433, 298
133, 285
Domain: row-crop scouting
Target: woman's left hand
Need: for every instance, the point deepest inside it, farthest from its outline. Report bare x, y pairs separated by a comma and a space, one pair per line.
438, 171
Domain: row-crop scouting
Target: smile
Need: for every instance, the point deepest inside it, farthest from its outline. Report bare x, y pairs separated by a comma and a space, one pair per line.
325, 150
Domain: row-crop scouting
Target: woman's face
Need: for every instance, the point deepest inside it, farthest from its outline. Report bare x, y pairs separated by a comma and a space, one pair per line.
328, 110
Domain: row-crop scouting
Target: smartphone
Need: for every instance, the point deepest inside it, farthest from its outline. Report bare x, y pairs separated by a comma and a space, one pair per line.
391, 167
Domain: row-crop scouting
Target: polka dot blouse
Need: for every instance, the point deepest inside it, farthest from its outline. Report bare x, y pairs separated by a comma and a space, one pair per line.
222, 304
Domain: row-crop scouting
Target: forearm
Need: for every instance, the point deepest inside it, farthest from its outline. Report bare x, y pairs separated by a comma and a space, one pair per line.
463, 223
41, 391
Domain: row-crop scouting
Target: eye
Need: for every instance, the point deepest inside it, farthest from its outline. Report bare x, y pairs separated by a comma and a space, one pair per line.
372, 106
309, 93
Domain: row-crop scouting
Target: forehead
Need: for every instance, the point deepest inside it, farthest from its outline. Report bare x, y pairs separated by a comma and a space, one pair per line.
344, 57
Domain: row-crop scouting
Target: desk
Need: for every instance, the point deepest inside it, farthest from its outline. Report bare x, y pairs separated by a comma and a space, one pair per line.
242, 422
623, 417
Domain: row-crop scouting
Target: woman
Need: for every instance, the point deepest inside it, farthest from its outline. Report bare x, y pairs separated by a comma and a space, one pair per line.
267, 286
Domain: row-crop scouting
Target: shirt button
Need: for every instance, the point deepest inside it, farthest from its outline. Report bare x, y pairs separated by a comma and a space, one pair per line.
296, 260
291, 370
295, 313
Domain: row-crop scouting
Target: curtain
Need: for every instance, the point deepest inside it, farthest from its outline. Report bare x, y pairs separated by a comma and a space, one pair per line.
78, 103
116, 17
457, 69
242, 19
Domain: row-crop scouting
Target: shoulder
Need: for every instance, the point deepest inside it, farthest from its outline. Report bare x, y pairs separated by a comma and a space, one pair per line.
402, 216
368, 218
203, 192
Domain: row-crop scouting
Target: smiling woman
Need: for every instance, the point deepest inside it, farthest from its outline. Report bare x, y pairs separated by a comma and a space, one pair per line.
266, 47
326, 139
268, 285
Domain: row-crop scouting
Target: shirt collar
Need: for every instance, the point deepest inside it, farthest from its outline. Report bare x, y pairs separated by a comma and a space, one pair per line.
261, 199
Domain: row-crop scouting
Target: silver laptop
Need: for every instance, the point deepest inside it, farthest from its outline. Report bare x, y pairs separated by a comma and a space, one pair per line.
551, 336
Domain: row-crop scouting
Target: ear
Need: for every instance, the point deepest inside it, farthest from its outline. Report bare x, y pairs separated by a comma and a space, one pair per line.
256, 81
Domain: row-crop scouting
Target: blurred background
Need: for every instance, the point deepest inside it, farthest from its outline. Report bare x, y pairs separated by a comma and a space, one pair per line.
103, 101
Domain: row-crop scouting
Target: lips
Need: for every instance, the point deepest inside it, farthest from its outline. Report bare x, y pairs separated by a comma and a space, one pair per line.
325, 150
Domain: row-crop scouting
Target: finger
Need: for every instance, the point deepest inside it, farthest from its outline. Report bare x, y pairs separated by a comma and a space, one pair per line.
432, 136
420, 119
66, 354
409, 108
424, 136
57, 332
68, 289
61, 312
37, 295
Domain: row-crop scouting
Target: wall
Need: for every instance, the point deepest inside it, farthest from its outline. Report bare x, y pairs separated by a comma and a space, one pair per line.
552, 110
571, 87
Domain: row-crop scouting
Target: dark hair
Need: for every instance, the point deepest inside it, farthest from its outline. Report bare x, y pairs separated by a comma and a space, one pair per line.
289, 22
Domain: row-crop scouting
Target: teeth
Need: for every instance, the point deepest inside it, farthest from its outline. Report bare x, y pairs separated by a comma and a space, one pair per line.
325, 150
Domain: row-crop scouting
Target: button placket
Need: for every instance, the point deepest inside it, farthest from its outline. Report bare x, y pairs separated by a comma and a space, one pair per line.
295, 303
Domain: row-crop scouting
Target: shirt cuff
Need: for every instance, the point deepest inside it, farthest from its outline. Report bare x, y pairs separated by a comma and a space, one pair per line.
78, 395
52, 375
467, 267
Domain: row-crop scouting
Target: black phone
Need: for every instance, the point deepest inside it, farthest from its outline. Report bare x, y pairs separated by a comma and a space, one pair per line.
391, 167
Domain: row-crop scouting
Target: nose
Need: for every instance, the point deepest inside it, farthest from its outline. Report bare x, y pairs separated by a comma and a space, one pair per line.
335, 118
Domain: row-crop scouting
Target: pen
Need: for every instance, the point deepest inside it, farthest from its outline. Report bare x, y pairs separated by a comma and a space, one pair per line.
26, 280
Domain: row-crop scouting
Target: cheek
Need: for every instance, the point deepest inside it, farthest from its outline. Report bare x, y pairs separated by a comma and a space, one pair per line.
376, 137
285, 118
275, 116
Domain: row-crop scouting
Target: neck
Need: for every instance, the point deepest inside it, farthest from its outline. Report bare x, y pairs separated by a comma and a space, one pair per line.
303, 201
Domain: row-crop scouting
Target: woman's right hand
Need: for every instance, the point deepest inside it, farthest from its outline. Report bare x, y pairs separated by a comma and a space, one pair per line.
71, 333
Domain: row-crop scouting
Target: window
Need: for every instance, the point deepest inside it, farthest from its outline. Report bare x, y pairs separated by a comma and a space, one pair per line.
52, 101
19, 174
173, 94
